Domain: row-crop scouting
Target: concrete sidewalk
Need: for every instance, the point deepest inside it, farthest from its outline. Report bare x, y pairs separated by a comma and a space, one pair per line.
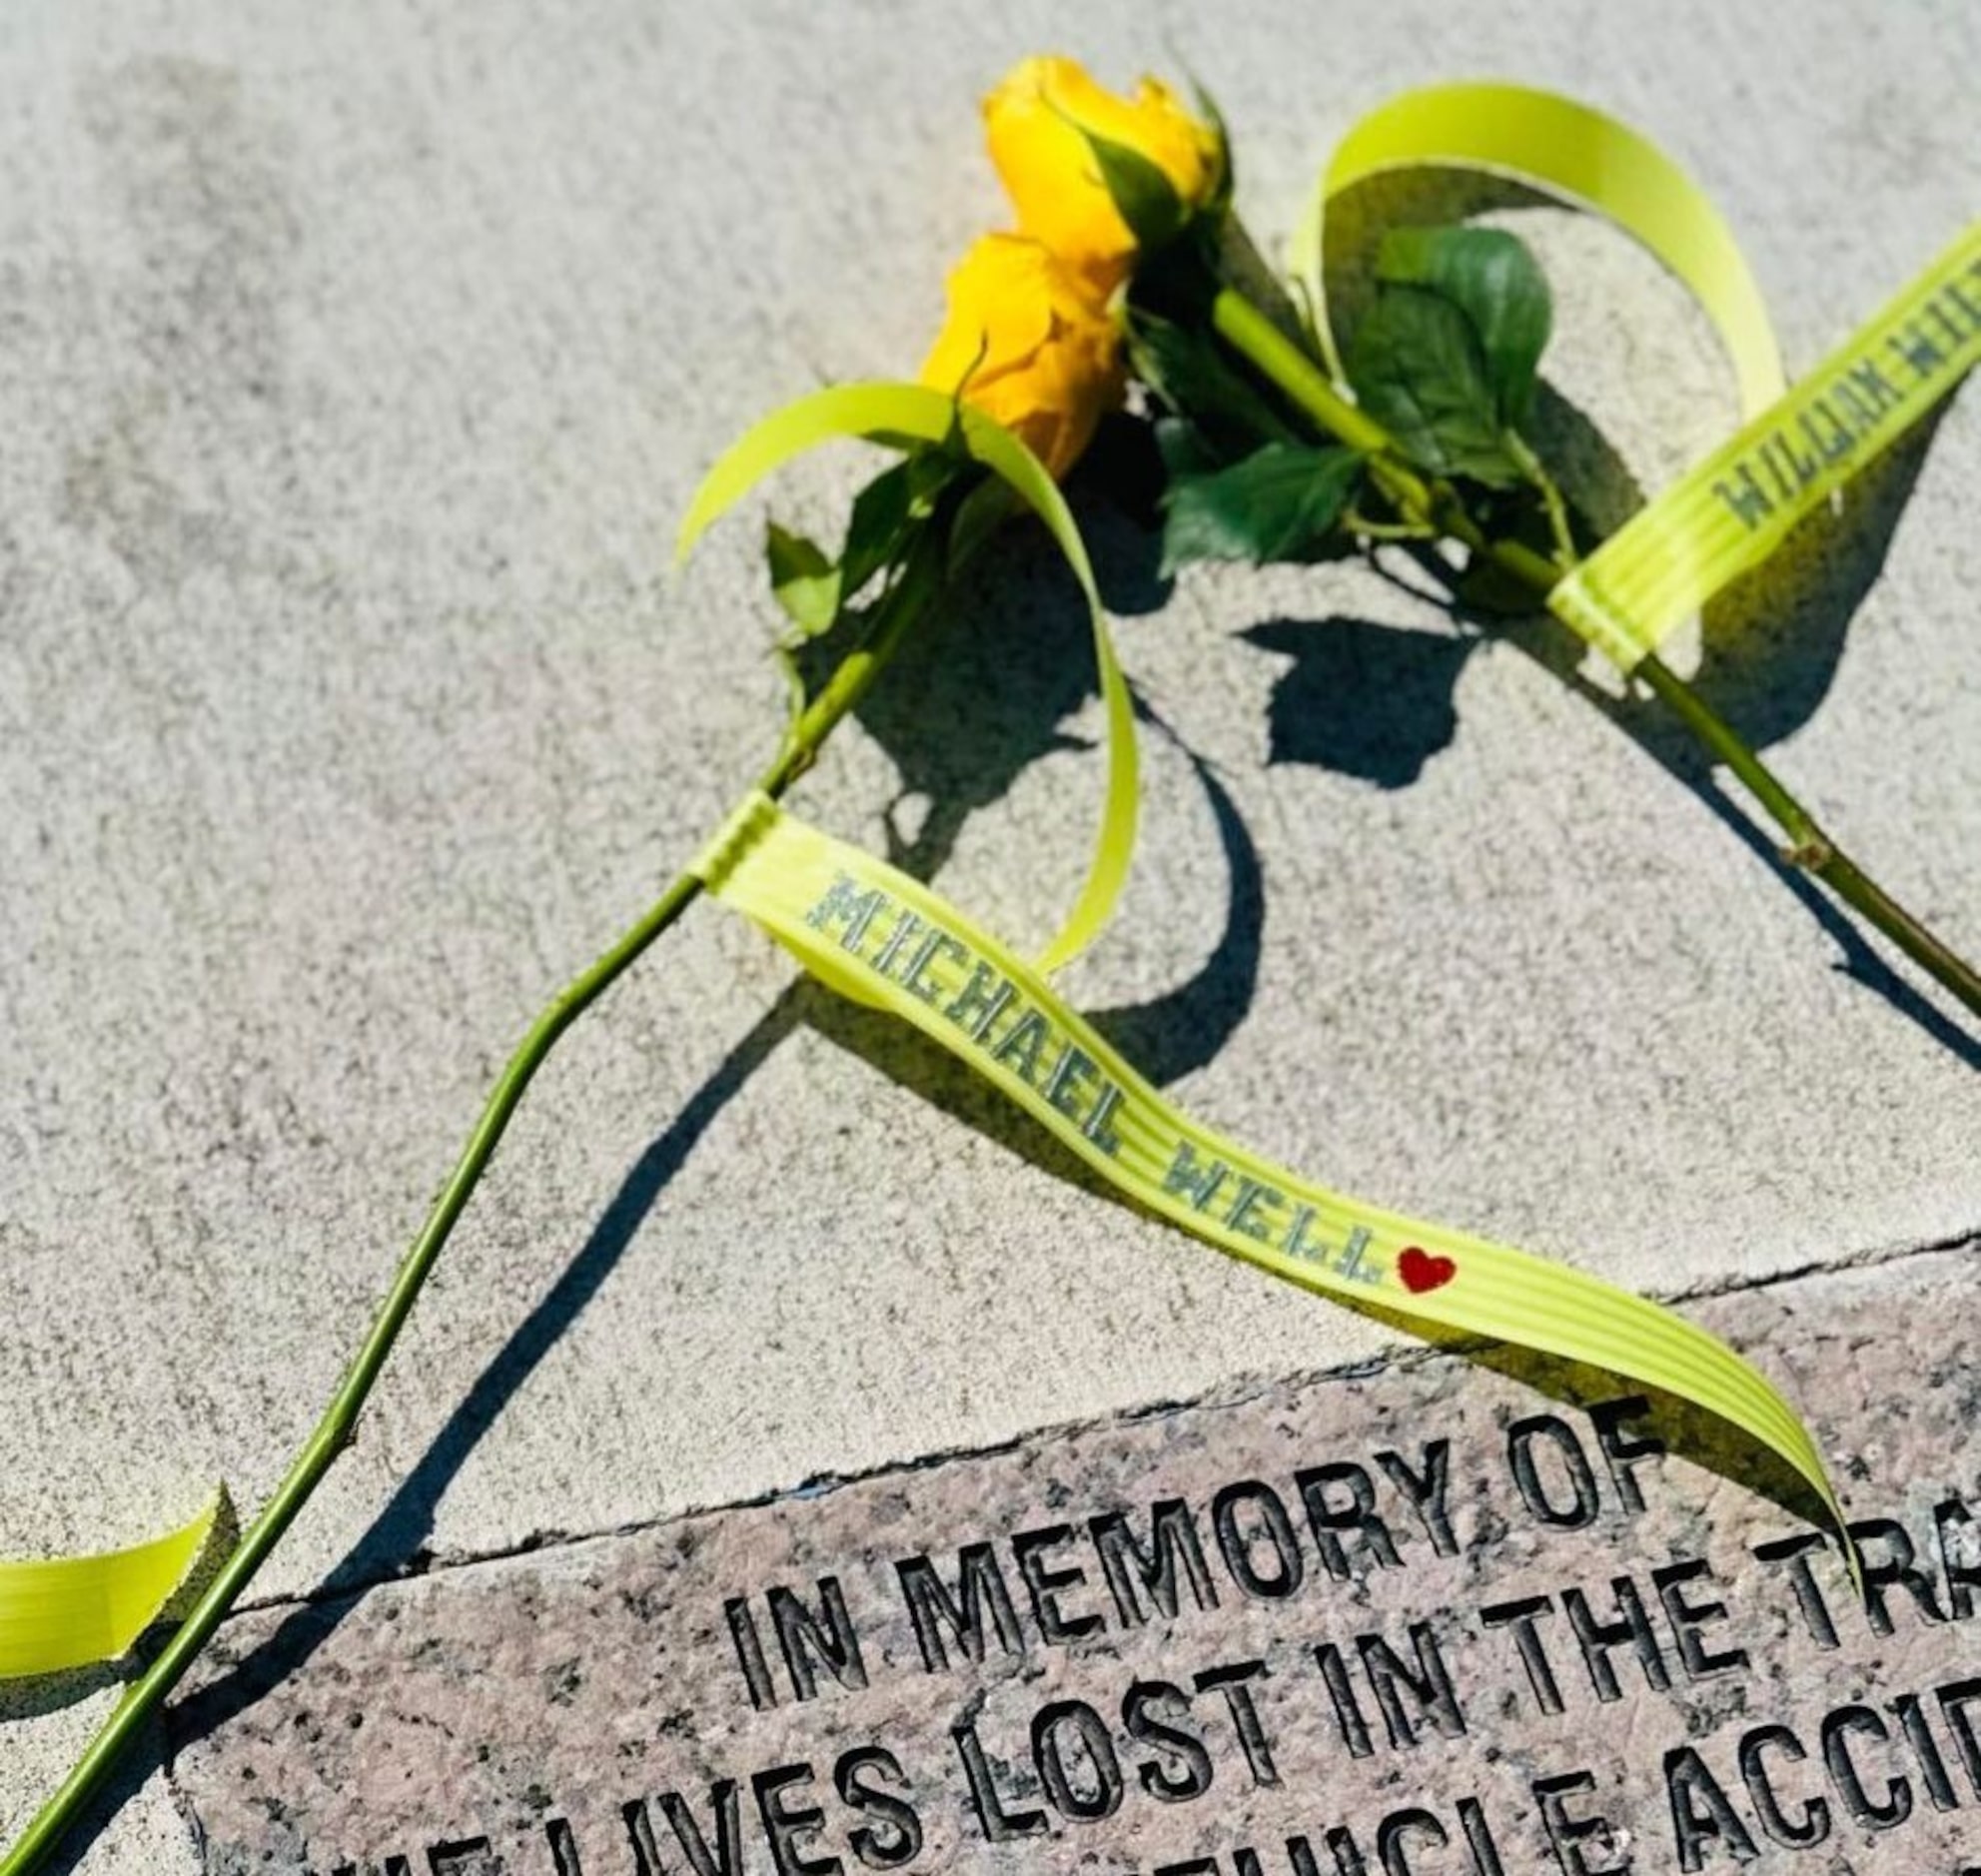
356, 367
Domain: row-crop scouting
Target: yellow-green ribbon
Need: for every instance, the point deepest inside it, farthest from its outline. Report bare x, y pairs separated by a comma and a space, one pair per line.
71, 1611
860, 925
1727, 515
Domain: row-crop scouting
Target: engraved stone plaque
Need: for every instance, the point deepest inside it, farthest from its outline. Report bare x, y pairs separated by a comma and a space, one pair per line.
1426, 1620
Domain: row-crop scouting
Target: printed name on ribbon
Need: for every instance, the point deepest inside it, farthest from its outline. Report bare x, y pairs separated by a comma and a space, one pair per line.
860, 925
1727, 515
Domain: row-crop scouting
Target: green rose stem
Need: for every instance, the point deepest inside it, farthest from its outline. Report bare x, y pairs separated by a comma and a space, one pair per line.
1434, 506
920, 576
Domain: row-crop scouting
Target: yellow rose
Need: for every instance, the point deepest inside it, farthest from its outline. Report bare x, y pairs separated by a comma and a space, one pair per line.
1035, 121
1029, 343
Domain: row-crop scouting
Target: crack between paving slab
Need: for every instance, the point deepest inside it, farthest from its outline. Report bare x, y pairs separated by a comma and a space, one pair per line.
1237, 1394
1874, 1258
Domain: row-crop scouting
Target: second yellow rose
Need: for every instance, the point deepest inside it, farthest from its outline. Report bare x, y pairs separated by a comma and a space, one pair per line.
1036, 122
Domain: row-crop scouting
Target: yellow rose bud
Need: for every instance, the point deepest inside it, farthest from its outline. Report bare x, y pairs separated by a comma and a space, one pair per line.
1029, 343
1035, 120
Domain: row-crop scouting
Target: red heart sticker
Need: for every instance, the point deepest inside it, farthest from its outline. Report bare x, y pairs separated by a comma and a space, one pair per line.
1421, 1270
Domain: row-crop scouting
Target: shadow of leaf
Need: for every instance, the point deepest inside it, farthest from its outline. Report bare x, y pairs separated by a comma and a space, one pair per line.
974, 700
1364, 699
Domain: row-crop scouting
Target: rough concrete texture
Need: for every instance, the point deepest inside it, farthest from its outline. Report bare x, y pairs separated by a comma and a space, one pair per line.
357, 364
1397, 1616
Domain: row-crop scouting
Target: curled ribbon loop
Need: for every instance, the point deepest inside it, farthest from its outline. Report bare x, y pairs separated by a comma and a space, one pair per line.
1570, 149
917, 411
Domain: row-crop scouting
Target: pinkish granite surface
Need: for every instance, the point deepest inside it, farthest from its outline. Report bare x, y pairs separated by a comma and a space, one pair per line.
1426, 1620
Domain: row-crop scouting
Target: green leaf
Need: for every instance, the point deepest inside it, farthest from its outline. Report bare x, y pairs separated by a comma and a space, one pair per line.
1182, 448
815, 591
1143, 195
1278, 505
790, 666
979, 513
1188, 373
877, 526
1226, 186
1492, 277
805, 581
930, 471
1419, 370
886, 509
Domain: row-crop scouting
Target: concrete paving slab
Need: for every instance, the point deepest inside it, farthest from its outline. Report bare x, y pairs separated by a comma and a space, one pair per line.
358, 366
